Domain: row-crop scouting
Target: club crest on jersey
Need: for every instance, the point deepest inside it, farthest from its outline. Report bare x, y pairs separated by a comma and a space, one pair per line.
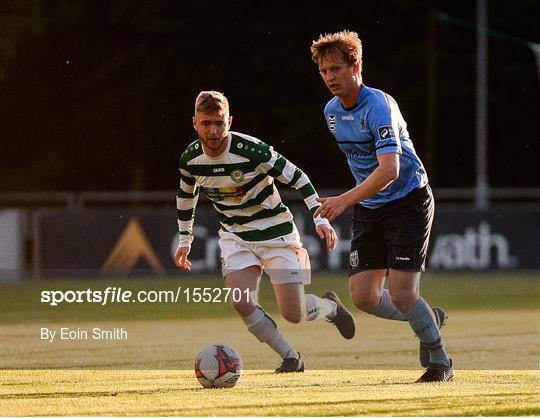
237, 176
386, 132
354, 259
332, 122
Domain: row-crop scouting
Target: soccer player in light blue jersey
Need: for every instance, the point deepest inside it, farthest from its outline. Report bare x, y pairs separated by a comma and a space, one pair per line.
393, 203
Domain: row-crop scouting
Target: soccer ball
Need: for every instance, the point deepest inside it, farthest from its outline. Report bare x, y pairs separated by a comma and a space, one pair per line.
218, 365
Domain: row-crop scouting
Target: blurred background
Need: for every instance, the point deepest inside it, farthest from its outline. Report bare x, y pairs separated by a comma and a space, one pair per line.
97, 100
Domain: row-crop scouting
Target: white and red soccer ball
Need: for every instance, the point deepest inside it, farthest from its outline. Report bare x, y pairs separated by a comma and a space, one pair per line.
218, 365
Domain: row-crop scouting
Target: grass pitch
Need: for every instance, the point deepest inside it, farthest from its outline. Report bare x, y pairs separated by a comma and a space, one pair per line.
259, 393
493, 336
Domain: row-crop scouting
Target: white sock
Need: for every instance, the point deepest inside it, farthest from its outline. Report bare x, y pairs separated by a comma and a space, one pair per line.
318, 307
264, 328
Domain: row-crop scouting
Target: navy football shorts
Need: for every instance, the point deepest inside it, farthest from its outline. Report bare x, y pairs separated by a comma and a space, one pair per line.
395, 235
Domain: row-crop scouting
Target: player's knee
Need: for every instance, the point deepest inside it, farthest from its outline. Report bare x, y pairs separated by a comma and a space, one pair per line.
293, 315
402, 299
366, 302
244, 308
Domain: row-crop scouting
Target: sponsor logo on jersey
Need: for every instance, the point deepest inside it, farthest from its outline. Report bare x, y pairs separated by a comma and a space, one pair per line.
332, 122
354, 154
219, 169
234, 194
347, 117
237, 176
386, 132
354, 259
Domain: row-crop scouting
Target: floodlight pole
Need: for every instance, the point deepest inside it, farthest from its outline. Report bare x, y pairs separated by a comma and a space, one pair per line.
431, 96
482, 188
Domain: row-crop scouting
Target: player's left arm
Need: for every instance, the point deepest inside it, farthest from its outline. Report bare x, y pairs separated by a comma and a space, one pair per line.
287, 173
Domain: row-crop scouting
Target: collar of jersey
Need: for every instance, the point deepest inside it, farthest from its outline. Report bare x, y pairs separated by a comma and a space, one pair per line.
352, 108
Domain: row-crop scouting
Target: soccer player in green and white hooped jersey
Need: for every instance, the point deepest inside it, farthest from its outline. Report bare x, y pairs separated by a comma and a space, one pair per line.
236, 172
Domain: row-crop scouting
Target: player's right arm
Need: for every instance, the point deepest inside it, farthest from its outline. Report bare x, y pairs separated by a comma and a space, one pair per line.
186, 202
385, 131
386, 172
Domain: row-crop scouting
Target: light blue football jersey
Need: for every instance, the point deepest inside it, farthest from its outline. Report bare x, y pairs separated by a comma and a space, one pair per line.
375, 126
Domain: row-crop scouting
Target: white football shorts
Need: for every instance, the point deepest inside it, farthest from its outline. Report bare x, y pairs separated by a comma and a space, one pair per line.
283, 259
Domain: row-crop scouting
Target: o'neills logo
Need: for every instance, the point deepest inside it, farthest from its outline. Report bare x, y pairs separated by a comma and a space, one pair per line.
129, 249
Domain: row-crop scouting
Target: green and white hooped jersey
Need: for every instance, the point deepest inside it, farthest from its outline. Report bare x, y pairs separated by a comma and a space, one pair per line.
240, 184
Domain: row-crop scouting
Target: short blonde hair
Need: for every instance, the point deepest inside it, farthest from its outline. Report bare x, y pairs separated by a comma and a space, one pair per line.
345, 44
211, 102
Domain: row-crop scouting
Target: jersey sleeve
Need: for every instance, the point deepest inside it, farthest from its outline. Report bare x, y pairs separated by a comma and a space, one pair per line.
186, 201
384, 129
287, 173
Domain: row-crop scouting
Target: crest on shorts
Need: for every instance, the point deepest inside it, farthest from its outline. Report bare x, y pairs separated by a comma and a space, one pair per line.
354, 259
237, 176
222, 262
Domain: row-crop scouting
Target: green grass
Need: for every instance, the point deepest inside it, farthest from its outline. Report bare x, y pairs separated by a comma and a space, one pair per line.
258, 393
474, 339
493, 336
